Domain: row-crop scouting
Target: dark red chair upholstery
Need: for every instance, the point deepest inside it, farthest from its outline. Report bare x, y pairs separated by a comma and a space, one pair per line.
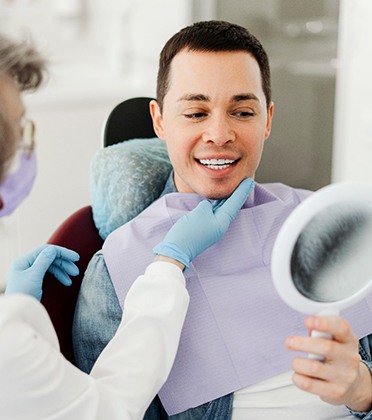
79, 233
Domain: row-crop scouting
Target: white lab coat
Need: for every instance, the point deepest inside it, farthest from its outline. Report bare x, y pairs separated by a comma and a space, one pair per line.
37, 382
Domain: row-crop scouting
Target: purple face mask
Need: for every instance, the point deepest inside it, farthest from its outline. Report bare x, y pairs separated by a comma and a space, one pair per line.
18, 184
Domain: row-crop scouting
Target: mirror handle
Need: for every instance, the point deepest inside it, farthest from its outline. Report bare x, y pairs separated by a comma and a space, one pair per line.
319, 335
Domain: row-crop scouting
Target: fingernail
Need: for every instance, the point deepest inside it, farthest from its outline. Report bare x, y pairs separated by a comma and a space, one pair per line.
289, 342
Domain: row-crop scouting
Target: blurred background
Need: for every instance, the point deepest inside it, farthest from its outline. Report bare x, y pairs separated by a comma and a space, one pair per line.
103, 52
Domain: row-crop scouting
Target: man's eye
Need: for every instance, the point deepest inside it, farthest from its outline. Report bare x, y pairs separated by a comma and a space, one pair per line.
195, 115
244, 114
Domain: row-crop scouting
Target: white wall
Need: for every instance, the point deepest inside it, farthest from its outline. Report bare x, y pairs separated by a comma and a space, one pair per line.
353, 119
99, 55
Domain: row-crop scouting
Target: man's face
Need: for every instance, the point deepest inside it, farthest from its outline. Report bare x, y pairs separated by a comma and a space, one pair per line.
214, 121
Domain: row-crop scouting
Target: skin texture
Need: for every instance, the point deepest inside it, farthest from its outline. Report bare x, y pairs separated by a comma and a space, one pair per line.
215, 108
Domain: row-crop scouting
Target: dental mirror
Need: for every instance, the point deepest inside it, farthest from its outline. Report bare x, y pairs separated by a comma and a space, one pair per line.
322, 257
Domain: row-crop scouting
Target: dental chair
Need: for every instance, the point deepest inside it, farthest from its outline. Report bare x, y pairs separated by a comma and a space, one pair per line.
129, 119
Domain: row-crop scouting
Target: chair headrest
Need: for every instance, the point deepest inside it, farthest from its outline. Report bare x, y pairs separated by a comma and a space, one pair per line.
125, 178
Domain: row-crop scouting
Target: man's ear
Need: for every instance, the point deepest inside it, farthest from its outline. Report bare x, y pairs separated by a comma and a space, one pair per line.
157, 119
270, 114
1, 203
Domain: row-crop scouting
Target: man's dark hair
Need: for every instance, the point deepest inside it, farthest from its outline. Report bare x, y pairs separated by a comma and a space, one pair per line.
212, 36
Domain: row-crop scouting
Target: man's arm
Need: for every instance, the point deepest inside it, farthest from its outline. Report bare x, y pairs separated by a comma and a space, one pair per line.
97, 314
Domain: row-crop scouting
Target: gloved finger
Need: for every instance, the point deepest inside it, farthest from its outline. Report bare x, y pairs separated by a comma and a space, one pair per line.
68, 266
26, 261
42, 262
234, 203
218, 203
65, 253
60, 275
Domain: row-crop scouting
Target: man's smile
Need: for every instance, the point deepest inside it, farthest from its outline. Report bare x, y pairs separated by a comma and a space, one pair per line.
217, 164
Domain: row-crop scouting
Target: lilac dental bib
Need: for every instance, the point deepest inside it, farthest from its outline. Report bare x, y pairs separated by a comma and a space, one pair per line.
236, 323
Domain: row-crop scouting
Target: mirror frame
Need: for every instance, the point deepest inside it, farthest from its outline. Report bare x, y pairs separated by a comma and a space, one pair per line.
288, 235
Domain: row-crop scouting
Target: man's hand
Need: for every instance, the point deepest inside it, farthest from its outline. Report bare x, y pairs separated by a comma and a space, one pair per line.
27, 272
341, 378
204, 226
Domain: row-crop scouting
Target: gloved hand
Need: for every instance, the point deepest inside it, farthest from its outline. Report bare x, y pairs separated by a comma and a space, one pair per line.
204, 226
27, 272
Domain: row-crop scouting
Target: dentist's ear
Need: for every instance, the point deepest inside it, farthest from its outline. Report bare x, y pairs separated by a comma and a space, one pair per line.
157, 119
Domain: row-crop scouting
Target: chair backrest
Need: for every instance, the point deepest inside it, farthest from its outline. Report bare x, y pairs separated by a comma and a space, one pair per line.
129, 119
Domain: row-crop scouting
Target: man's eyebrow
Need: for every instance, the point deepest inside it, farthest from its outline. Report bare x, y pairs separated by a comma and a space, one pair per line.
199, 97
244, 97
194, 97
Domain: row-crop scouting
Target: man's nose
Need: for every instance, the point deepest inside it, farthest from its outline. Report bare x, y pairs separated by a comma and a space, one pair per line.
219, 130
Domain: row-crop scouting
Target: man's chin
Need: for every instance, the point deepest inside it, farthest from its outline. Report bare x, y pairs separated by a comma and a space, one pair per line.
212, 190
218, 193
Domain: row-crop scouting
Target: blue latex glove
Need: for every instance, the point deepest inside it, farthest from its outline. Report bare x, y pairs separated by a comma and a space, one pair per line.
27, 272
204, 226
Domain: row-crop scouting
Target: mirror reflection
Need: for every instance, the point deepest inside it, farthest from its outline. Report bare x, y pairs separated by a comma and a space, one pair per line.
332, 257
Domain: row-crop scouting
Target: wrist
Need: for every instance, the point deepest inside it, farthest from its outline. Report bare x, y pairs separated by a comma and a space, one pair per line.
170, 260
172, 251
362, 400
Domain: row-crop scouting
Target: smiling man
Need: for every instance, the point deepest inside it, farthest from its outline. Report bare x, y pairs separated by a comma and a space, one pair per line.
214, 111
215, 119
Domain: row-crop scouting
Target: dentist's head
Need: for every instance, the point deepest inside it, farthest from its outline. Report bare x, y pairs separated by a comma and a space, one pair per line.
21, 69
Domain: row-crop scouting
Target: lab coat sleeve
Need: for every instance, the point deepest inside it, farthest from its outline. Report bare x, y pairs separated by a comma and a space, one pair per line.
36, 382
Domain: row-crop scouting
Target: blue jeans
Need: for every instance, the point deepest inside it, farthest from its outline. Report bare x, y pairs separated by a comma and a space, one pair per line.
219, 409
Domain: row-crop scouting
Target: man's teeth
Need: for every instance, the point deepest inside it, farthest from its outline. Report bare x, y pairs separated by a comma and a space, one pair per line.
216, 163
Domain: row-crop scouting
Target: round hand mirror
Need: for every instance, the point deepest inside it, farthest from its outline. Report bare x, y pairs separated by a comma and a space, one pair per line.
322, 257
